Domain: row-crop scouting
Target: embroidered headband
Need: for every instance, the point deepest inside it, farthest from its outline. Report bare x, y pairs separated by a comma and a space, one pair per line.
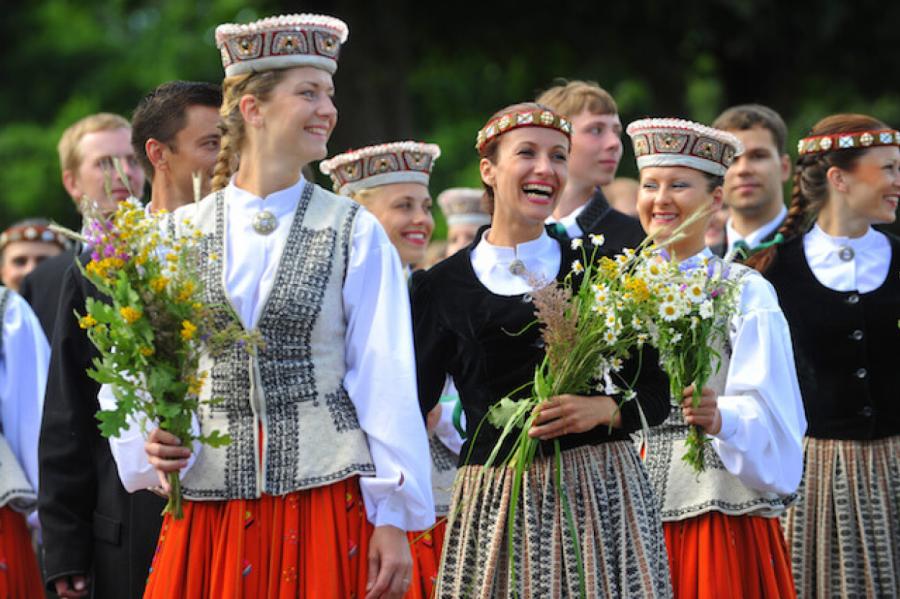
515, 119
281, 43
40, 233
677, 142
384, 164
847, 141
462, 206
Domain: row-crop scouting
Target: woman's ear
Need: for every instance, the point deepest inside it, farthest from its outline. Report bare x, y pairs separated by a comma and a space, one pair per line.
718, 196
837, 178
487, 172
250, 110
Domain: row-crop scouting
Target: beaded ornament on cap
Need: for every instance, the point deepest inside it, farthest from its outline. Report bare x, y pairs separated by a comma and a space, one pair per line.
848, 141
280, 43
462, 206
39, 233
678, 142
384, 164
538, 117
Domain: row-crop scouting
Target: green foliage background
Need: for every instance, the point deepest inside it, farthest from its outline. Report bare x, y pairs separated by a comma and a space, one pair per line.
436, 71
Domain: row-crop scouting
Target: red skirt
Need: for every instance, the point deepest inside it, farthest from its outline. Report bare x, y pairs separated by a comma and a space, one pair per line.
19, 574
309, 543
426, 555
740, 557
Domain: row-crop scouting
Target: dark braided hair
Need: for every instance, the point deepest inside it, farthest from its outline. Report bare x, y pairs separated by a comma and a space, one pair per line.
810, 190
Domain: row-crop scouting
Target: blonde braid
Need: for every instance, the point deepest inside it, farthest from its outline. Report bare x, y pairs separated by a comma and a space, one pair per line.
232, 124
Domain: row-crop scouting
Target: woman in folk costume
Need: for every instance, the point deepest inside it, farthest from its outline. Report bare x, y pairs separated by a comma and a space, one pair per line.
721, 525
465, 214
839, 286
391, 181
24, 360
326, 469
467, 311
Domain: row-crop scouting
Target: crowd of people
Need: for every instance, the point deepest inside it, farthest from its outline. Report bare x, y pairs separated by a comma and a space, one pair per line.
358, 462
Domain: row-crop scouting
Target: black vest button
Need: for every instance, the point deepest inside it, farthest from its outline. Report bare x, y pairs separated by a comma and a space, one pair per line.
867, 412
861, 373
856, 335
853, 299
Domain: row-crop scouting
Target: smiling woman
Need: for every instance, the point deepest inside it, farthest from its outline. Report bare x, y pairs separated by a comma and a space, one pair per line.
837, 283
471, 316
315, 491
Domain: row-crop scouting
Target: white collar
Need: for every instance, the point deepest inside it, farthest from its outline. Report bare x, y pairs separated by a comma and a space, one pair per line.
486, 253
280, 203
755, 237
821, 242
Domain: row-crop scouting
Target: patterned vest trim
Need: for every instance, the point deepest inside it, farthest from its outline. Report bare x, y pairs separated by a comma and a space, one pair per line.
682, 492
15, 490
291, 392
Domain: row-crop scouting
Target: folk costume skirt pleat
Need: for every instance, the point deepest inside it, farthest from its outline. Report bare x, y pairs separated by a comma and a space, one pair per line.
426, 555
740, 557
616, 522
844, 532
308, 544
20, 577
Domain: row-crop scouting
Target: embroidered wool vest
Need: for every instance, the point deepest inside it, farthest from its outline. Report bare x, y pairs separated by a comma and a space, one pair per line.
291, 390
681, 491
15, 489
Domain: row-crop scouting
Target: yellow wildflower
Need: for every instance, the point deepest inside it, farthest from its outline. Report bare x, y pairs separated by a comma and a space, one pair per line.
158, 284
147, 351
187, 290
188, 330
638, 288
86, 322
130, 315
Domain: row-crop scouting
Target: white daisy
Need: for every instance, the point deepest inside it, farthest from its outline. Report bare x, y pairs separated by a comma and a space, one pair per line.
668, 311
597, 240
577, 243
577, 267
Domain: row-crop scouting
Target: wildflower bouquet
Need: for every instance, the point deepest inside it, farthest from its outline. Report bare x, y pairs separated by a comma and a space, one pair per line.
588, 332
688, 310
154, 327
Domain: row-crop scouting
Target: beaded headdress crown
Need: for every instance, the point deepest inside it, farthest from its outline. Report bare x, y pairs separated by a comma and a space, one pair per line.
514, 119
848, 141
281, 43
34, 232
677, 142
462, 206
384, 164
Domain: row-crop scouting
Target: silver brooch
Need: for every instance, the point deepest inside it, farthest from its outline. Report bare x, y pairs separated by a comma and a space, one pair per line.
846, 253
517, 267
264, 222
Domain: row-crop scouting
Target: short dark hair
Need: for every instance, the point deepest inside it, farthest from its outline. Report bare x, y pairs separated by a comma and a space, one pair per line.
162, 113
747, 116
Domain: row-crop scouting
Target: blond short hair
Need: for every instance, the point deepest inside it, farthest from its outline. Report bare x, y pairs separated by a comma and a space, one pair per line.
571, 98
69, 155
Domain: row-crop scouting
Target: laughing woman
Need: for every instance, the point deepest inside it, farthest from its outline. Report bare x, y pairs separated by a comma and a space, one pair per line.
467, 311
324, 472
839, 287
721, 525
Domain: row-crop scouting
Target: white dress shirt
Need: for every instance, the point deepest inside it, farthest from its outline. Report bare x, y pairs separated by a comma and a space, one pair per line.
754, 238
24, 364
380, 373
763, 422
848, 264
540, 258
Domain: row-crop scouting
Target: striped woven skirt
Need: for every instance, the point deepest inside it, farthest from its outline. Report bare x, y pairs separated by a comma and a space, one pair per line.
616, 524
844, 532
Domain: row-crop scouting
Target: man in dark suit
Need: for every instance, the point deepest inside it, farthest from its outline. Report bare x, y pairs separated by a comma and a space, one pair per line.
593, 159
86, 152
99, 539
754, 183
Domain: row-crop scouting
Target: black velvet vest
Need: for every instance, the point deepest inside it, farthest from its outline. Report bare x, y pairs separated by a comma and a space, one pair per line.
846, 346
